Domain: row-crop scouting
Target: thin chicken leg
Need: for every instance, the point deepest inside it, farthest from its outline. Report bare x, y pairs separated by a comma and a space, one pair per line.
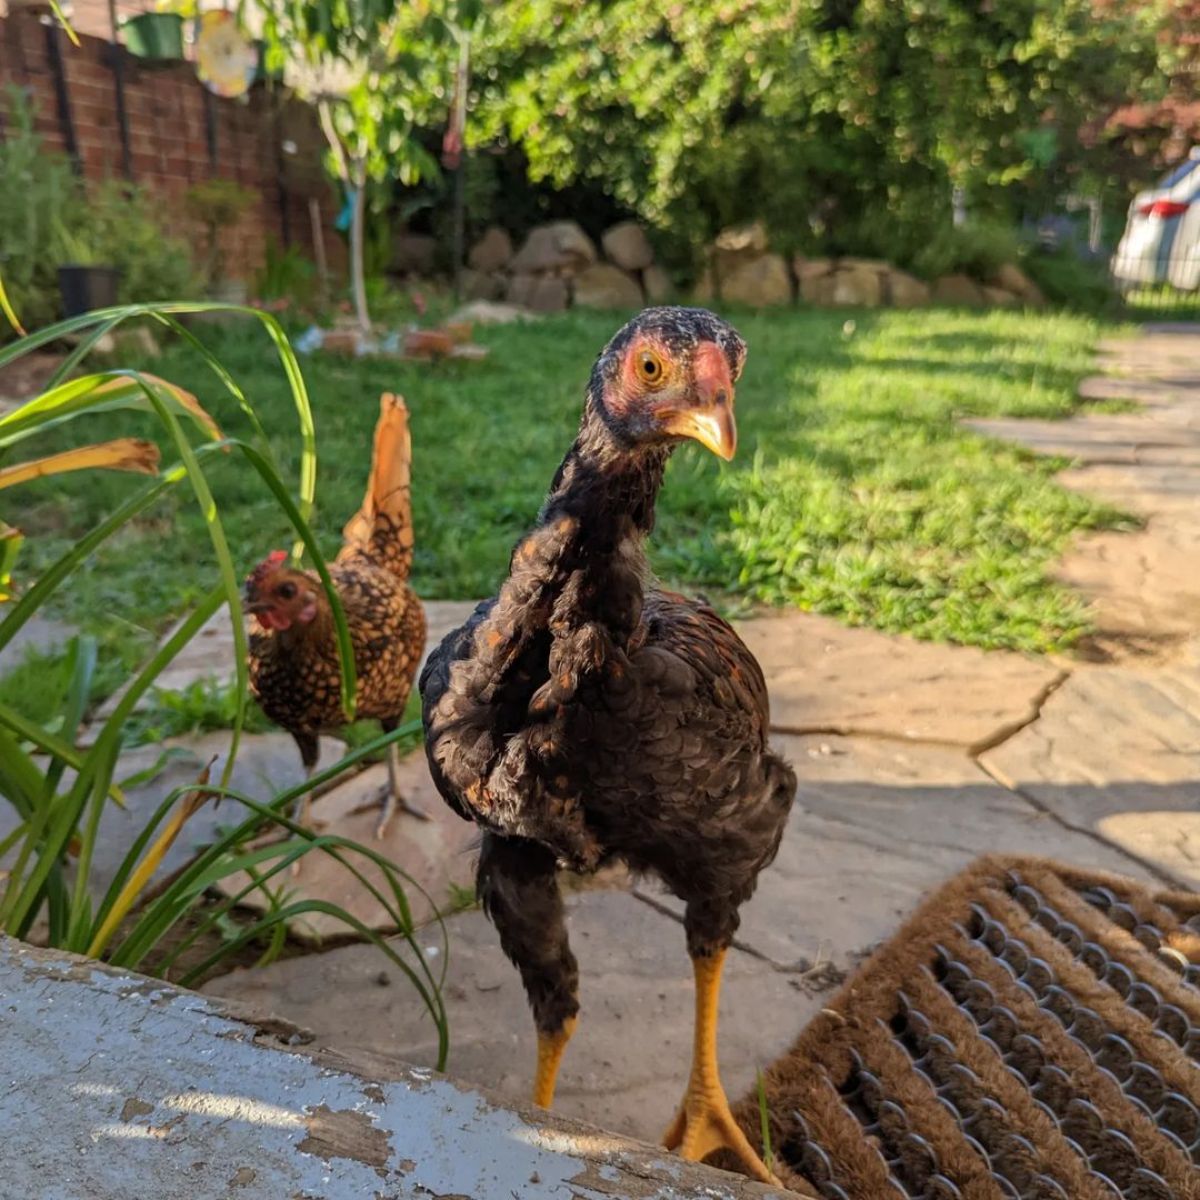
549, 1057
704, 1122
392, 798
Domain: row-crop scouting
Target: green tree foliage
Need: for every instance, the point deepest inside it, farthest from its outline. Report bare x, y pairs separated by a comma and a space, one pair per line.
365, 64
821, 116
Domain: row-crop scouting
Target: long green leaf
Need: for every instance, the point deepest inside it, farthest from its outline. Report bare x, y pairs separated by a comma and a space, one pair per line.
104, 391
7, 309
81, 664
82, 350
21, 783
219, 369
229, 576
142, 940
100, 759
31, 602
50, 743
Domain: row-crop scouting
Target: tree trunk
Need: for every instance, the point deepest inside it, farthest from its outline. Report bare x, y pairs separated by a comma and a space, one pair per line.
358, 283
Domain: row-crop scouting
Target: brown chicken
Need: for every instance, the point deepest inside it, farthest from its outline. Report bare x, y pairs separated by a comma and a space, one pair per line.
583, 716
294, 670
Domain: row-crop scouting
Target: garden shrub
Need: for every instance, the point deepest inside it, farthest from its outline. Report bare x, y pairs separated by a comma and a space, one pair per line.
48, 218
978, 249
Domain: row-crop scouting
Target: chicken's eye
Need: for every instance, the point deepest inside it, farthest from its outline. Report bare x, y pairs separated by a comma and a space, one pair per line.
285, 591
649, 367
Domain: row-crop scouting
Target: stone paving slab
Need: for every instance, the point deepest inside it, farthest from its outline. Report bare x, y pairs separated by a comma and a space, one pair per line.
1145, 491
1144, 585
209, 656
119, 1086
435, 854
628, 1063
1117, 752
1126, 438
827, 677
875, 825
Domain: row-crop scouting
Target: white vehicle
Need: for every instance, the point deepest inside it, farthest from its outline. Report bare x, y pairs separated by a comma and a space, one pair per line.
1161, 243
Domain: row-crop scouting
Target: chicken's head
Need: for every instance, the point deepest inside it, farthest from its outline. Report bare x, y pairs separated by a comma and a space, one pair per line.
667, 375
279, 595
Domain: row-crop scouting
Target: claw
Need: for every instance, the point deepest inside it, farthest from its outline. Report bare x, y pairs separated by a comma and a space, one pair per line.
704, 1124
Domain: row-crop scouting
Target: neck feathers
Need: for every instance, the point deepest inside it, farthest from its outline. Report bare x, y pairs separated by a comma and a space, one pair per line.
605, 486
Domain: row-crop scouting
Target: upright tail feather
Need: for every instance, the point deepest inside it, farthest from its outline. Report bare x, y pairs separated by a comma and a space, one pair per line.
381, 530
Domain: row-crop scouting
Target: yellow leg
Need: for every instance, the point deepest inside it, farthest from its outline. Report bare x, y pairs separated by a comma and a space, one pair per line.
550, 1052
704, 1122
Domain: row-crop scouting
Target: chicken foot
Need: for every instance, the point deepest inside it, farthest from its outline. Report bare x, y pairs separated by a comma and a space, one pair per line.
704, 1122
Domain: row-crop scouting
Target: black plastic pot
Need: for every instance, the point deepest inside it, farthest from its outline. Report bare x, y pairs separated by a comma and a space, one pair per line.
85, 288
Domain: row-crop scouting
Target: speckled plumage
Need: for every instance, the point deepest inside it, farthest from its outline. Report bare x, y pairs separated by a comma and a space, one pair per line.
582, 715
294, 671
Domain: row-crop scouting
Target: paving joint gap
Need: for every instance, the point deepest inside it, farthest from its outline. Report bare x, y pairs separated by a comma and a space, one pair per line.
878, 735
1006, 732
1154, 869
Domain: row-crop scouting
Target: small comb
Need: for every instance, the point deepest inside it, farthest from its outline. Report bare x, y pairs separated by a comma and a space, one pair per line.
275, 559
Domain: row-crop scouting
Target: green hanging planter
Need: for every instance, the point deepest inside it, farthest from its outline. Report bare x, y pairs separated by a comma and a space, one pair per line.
154, 35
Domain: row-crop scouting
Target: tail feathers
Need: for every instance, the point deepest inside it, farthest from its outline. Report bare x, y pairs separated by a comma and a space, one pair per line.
382, 529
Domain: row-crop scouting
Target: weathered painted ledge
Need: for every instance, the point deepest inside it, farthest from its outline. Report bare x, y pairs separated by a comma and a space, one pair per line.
115, 1085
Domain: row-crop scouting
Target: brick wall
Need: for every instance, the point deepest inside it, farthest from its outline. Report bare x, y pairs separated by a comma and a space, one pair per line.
178, 134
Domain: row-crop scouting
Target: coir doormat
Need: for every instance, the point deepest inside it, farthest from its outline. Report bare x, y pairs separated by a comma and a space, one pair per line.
1032, 1033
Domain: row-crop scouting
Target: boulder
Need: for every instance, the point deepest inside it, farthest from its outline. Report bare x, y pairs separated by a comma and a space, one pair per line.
492, 252
482, 285
704, 292
905, 290
627, 246
550, 294
999, 297
818, 288
737, 245
604, 286
857, 285
137, 340
520, 289
1011, 278
877, 265
657, 284
759, 283
743, 239
560, 244
413, 253
959, 290
811, 268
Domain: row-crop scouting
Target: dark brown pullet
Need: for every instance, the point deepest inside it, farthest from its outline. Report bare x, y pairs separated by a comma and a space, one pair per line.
584, 712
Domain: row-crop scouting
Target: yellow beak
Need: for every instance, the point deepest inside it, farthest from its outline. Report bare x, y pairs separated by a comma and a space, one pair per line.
714, 428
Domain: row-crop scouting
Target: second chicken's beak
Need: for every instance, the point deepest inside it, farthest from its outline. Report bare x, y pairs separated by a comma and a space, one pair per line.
710, 420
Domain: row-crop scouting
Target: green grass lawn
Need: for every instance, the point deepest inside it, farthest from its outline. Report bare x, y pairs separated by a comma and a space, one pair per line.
854, 492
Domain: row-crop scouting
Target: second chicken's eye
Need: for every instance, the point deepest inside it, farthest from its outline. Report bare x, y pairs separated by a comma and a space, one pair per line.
286, 591
649, 366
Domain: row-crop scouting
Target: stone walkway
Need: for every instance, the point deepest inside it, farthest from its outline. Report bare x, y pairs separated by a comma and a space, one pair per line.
913, 759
